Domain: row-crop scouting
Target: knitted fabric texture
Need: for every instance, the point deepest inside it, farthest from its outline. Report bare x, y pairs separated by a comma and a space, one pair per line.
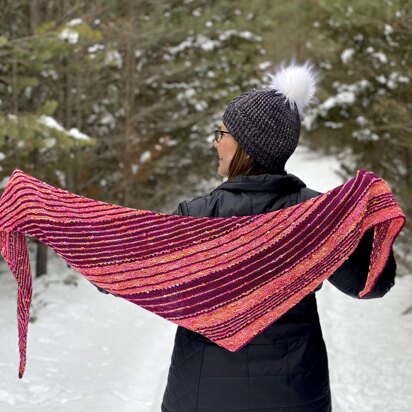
264, 126
226, 278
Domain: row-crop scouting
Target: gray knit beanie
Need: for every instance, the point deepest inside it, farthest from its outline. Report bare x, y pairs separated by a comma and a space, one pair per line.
266, 122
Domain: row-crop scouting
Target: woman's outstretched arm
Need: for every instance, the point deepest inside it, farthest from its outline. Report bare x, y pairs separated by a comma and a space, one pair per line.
350, 278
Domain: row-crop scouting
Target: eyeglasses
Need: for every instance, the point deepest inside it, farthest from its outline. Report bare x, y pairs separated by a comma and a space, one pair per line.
219, 134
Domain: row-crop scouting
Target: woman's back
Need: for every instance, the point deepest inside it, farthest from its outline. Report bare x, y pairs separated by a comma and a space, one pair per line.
283, 367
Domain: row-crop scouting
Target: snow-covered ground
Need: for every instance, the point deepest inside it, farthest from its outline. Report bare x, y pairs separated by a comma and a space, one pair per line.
88, 351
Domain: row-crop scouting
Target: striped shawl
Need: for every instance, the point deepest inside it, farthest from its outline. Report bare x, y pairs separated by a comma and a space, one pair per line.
226, 278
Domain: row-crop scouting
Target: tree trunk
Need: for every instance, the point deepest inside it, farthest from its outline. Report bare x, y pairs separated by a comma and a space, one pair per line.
41, 259
33, 15
79, 108
15, 91
129, 108
68, 96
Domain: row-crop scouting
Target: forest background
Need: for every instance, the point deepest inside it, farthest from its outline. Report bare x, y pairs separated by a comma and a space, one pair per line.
116, 100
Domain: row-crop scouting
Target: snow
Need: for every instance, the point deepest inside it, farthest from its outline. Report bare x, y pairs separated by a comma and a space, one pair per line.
345, 96
109, 120
264, 65
77, 134
358, 37
395, 78
61, 176
95, 48
72, 36
325, 65
245, 35
174, 85
341, 99
168, 141
113, 58
51, 122
89, 351
365, 135
201, 105
28, 92
361, 120
75, 22
207, 44
48, 144
145, 156
333, 125
4, 181
185, 44
381, 79
347, 55
186, 94
381, 57
388, 29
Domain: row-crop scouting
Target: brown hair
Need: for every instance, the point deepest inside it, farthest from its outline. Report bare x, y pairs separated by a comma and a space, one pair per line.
246, 166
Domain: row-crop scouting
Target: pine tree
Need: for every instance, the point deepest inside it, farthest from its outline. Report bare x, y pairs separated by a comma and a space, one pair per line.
364, 49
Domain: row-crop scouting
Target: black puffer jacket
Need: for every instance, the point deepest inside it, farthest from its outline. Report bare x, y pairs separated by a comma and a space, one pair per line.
284, 368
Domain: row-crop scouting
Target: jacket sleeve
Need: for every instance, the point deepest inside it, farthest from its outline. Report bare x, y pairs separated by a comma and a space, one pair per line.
100, 289
181, 209
350, 278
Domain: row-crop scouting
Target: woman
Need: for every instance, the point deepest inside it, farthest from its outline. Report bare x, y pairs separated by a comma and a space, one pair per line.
285, 368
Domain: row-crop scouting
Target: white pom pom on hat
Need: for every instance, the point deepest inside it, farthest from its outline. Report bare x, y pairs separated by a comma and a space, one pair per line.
296, 83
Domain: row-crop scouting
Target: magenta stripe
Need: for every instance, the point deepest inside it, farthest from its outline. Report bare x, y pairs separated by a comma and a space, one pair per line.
137, 247
10, 199
145, 239
171, 228
30, 208
23, 185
